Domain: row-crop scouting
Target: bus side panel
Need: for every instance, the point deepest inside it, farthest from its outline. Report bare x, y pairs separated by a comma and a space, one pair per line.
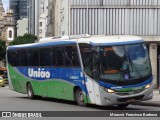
60, 85
60, 89
93, 90
54, 88
39, 87
17, 80
70, 77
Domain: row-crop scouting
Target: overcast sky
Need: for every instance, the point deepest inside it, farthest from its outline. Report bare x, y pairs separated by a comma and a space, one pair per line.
5, 4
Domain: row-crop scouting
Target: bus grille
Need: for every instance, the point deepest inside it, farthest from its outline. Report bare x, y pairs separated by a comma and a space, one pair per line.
130, 98
129, 93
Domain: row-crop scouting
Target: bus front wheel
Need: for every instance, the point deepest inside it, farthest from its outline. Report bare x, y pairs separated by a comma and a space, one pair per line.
80, 97
123, 105
30, 91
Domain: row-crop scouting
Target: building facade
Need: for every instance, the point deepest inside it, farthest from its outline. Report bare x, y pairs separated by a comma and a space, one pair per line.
33, 9
8, 30
43, 18
2, 12
50, 25
19, 8
22, 27
58, 18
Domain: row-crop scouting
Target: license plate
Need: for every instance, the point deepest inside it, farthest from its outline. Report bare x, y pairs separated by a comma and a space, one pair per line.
131, 100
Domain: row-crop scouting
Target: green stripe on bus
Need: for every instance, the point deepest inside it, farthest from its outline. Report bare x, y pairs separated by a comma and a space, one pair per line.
52, 88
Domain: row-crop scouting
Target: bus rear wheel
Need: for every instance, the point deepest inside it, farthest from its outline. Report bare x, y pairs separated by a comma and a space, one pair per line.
30, 91
80, 97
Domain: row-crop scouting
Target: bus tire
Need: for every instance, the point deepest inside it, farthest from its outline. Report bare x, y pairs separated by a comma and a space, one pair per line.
80, 98
123, 105
30, 91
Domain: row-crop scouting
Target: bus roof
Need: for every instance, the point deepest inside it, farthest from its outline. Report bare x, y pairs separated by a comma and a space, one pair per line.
99, 40
96, 40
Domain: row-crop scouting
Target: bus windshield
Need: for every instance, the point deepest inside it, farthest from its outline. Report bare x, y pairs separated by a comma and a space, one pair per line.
113, 64
127, 62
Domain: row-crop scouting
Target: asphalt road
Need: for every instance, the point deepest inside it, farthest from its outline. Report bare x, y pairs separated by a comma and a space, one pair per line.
13, 101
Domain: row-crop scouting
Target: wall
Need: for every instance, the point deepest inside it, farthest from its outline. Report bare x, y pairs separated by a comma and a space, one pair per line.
115, 2
115, 17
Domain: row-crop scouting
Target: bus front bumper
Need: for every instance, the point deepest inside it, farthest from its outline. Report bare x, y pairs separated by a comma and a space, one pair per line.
108, 99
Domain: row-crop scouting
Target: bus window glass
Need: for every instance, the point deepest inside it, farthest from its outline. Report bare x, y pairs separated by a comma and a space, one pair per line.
71, 56
111, 61
17, 61
117, 62
87, 58
34, 57
24, 58
45, 57
57, 56
10, 57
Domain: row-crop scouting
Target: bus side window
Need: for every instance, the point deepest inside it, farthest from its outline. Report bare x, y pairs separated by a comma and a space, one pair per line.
88, 63
10, 58
17, 60
34, 57
24, 57
71, 56
87, 58
96, 64
57, 57
45, 57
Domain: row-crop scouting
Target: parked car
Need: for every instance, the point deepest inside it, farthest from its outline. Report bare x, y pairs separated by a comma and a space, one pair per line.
5, 77
2, 82
3, 73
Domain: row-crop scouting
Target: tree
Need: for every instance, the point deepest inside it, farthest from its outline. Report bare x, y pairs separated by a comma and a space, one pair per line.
25, 39
2, 50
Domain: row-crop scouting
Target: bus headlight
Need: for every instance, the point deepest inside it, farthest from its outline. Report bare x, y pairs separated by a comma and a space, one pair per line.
147, 86
110, 91
107, 90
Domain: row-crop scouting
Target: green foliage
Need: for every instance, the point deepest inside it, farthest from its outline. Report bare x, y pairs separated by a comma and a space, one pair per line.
2, 50
25, 39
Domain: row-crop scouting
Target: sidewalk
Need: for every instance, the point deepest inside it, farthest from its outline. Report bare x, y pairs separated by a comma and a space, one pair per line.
155, 101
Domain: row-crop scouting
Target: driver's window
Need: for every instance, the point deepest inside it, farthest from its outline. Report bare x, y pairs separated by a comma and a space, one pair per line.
87, 58
96, 65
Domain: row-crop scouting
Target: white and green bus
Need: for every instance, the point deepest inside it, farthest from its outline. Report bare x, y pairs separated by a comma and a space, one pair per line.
101, 70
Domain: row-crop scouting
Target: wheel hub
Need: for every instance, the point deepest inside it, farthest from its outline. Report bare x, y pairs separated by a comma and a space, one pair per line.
81, 97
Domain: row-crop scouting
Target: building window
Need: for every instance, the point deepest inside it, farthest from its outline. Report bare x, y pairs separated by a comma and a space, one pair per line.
10, 34
40, 31
40, 24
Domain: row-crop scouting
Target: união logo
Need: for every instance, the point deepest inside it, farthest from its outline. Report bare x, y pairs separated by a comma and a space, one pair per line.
41, 73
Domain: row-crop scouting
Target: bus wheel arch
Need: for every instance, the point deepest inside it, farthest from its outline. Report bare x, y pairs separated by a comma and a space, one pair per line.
79, 97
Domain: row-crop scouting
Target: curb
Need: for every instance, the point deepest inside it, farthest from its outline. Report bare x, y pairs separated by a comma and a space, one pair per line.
150, 103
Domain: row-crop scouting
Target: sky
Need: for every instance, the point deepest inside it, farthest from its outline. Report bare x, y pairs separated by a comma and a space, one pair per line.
5, 4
